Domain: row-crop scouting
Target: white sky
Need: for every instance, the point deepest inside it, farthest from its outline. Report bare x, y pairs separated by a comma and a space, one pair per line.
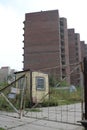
12, 15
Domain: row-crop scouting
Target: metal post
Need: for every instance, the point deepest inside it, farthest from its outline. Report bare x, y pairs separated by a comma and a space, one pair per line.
82, 89
10, 103
30, 88
85, 86
84, 121
22, 99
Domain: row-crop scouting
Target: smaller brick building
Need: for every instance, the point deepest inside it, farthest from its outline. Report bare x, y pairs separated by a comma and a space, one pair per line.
74, 56
64, 49
6, 74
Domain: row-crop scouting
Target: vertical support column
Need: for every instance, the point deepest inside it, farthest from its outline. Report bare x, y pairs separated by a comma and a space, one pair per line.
22, 99
85, 86
84, 119
82, 89
30, 88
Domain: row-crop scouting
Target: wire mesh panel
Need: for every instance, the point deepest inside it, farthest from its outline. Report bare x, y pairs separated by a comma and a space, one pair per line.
61, 110
59, 102
38, 95
11, 97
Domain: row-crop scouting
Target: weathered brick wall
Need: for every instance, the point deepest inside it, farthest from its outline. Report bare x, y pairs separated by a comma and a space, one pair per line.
41, 40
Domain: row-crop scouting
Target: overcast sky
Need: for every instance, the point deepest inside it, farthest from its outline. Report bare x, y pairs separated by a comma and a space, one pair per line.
12, 15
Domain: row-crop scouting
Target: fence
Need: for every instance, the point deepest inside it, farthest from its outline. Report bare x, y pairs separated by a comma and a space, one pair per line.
61, 103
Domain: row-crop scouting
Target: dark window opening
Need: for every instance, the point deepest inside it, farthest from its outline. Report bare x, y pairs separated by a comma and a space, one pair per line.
40, 83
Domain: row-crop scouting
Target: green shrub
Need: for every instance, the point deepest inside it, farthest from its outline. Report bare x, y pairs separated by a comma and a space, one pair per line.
2, 128
49, 103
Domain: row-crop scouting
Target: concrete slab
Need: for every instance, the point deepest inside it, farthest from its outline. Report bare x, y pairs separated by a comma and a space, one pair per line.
64, 113
10, 123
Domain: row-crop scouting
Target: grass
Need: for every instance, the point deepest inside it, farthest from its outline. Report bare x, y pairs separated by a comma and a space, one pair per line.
62, 97
2, 128
56, 97
65, 96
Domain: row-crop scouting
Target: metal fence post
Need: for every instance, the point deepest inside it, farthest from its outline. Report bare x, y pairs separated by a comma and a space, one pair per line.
85, 86
31, 88
84, 121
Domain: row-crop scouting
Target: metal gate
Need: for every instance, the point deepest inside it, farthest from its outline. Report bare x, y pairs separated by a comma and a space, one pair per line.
65, 103
11, 100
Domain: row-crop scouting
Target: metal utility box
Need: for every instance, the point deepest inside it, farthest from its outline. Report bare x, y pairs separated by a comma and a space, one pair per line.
37, 85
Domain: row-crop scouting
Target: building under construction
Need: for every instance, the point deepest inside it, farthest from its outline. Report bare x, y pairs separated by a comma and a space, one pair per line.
48, 43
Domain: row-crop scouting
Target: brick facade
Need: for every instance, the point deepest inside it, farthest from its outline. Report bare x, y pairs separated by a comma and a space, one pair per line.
42, 41
64, 49
52, 48
74, 56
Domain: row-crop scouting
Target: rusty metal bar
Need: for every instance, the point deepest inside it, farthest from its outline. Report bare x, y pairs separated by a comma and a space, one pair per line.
10, 103
84, 120
85, 86
1, 90
31, 89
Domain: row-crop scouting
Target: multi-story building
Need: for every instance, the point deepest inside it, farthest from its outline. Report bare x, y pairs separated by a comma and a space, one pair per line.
6, 74
85, 50
64, 49
82, 43
50, 47
42, 42
74, 56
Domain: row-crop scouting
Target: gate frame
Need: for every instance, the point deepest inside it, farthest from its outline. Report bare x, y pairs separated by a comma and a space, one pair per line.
22, 96
84, 120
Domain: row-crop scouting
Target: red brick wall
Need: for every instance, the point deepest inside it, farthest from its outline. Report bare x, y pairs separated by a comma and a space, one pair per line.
41, 40
65, 46
74, 56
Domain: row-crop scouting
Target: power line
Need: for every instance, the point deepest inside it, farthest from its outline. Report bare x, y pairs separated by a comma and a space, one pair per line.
54, 67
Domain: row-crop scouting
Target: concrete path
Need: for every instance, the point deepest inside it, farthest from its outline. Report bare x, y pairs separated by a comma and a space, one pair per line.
12, 123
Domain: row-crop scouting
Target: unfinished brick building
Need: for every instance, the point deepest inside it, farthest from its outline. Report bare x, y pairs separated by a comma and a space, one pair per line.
83, 50
64, 49
82, 43
48, 43
42, 50
74, 56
